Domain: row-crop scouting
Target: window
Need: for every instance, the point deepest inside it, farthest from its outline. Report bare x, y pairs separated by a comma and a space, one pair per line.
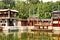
45, 27
3, 24
41, 27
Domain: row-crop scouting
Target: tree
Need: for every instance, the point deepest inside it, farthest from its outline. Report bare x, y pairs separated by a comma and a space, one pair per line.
41, 9
23, 10
9, 3
2, 5
34, 1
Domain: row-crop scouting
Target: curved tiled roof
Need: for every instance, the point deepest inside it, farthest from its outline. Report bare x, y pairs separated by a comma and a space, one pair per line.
8, 9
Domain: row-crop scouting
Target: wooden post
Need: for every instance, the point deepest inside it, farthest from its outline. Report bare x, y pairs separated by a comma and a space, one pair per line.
33, 22
8, 14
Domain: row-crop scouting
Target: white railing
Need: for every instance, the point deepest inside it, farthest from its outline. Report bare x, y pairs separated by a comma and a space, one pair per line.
26, 27
18, 27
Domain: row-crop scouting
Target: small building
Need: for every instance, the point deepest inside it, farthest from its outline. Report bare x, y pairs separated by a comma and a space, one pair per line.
8, 17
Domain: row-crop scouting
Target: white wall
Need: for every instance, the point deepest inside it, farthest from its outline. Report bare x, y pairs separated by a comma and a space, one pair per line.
25, 27
19, 23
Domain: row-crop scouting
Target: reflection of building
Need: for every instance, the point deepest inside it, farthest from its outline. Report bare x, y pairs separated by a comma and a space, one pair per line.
56, 36
8, 17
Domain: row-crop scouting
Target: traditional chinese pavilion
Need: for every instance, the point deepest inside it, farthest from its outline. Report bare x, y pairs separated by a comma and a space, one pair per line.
8, 17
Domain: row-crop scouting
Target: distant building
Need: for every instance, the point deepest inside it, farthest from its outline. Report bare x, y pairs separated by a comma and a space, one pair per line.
30, 21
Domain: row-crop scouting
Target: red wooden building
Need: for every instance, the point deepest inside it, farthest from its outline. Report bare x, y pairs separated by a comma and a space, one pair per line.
56, 18
30, 21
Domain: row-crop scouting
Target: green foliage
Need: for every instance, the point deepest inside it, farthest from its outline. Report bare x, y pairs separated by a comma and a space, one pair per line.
34, 1
40, 9
2, 5
31, 7
9, 3
23, 10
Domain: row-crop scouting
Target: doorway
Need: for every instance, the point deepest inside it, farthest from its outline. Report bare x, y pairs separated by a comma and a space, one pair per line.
10, 22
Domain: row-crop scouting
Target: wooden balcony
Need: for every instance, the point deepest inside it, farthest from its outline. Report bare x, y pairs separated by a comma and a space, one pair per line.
42, 27
7, 17
4, 17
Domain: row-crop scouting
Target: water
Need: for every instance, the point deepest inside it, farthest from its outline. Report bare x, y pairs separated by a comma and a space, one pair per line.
5, 35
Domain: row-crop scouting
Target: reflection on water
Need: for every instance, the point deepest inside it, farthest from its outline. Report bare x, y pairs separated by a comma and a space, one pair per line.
5, 35
10, 36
